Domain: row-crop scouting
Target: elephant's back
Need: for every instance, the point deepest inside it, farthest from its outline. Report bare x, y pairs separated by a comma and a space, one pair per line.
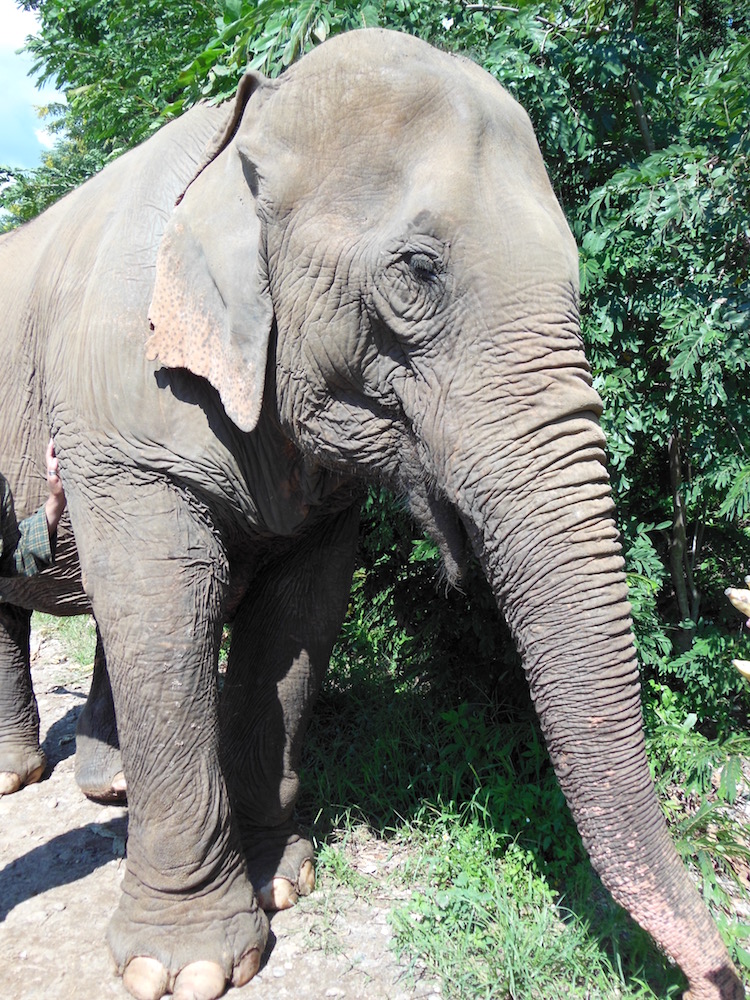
105, 235
125, 205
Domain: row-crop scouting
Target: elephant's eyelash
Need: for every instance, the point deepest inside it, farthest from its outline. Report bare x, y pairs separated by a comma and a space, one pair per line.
424, 267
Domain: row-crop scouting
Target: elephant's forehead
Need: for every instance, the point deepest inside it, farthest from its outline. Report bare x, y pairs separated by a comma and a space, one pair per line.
375, 129
368, 87
436, 125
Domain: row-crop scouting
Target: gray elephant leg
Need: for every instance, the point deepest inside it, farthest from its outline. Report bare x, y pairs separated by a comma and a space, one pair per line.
21, 758
187, 918
281, 643
98, 762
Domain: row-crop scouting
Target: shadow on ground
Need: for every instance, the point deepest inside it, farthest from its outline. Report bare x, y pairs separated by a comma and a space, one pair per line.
60, 861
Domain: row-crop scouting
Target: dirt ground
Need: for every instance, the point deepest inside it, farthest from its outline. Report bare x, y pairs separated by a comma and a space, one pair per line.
62, 860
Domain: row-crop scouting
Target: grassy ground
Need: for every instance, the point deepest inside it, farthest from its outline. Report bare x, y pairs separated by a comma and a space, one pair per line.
460, 804
77, 635
504, 901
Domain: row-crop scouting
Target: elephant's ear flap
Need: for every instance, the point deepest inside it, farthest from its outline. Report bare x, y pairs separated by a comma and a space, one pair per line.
211, 309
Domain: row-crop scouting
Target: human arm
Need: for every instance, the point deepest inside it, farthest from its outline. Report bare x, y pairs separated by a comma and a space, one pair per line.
29, 546
55, 504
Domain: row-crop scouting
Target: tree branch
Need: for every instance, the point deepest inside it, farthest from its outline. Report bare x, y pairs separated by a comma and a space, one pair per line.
686, 593
643, 125
489, 7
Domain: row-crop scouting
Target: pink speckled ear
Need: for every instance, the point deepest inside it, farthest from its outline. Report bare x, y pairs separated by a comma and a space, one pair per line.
211, 310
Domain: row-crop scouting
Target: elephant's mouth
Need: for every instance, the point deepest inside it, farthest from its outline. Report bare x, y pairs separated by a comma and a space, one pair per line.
440, 520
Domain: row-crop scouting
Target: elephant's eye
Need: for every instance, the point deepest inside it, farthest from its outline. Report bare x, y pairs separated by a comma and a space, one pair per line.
424, 267
412, 285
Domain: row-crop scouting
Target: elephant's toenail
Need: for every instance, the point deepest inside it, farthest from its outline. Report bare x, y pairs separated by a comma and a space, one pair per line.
145, 978
246, 968
306, 878
200, 981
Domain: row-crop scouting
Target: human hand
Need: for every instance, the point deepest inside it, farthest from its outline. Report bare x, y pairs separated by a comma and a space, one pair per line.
56, 500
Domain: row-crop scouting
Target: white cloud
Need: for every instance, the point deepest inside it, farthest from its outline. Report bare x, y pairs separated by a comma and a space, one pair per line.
45, 138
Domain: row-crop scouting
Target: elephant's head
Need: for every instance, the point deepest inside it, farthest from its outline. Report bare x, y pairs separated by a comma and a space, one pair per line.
384, 212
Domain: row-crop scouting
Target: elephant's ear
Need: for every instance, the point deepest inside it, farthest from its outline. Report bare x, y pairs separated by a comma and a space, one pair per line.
211, 309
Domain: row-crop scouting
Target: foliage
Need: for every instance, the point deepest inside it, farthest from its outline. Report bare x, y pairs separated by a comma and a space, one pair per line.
402, 613
117, 60
501, 890
665, 264
491, 926
699, 781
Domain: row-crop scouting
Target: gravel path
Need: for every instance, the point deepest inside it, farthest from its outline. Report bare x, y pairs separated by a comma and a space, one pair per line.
62, 860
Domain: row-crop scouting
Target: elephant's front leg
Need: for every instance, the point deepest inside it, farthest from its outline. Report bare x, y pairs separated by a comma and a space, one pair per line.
98, 763
156, 575
281, 643
22, 760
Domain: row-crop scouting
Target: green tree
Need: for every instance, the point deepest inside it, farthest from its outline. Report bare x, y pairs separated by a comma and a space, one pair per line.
666, 261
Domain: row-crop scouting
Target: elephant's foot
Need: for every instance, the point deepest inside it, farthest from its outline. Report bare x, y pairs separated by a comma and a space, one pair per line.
281, 865
107, 785
114, 792
21, 768
191, 947
147, 979
99, 772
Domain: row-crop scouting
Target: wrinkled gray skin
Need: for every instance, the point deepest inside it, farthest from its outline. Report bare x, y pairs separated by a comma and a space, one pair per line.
370, 269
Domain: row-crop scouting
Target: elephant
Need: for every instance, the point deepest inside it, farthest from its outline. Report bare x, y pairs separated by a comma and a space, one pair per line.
356, 273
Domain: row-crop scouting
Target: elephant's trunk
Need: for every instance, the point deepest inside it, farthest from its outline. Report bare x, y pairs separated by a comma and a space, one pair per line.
548, 544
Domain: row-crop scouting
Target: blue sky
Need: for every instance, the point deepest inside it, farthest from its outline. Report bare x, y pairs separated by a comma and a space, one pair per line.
20, 127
